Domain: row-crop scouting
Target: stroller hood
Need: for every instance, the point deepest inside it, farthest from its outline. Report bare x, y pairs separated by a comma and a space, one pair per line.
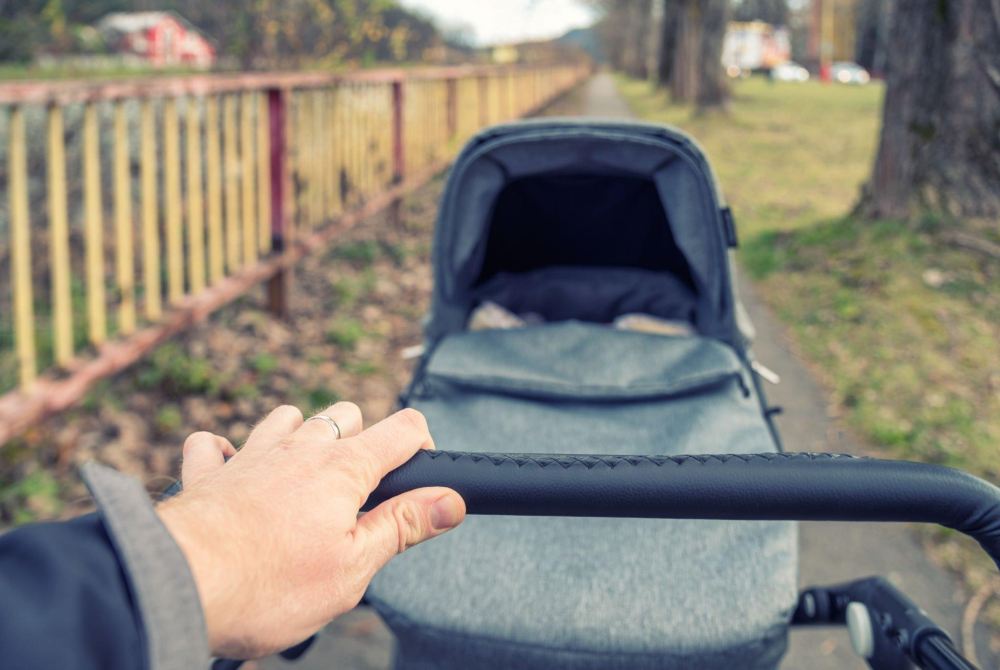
624, 178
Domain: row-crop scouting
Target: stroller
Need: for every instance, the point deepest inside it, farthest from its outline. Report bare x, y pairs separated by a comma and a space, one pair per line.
584, 304
589, 383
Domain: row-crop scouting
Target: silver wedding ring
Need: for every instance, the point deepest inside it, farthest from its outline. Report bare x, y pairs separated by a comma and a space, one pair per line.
333, 424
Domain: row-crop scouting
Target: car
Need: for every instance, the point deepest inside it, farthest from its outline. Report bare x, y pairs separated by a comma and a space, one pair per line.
789, 71
849, 73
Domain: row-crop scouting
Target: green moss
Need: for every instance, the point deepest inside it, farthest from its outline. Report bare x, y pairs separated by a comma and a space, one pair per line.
34, 496
349, 291
345, 333
362, 368
168, 419
174, 371
264, 363
360, 253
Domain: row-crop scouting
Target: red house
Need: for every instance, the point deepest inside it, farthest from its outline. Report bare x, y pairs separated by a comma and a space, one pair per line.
159, 38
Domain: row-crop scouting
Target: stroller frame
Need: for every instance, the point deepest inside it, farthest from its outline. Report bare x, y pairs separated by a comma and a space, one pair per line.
887, 629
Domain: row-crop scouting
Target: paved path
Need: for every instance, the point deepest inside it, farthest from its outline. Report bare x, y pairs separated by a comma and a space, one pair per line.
829, 552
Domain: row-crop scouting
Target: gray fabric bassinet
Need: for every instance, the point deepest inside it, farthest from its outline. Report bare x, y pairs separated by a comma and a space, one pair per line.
507, 592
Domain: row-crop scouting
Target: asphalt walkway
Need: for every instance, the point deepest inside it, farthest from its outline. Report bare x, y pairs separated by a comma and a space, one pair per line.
830, 553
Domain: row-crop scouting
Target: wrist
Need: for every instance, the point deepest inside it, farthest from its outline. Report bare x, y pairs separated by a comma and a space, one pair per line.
211, 569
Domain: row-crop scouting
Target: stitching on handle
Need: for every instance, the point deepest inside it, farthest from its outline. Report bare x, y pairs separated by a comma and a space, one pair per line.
567, 461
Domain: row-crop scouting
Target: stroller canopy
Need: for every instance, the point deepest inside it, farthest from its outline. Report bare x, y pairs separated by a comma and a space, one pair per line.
583, 195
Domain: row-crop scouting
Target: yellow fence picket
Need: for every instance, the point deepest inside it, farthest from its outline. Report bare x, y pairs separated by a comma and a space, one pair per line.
93, 210
150, 217
263, 175
124, 246
247, 168
59, 263
172, 201
213, 177
232, 184
195, 202
20, 249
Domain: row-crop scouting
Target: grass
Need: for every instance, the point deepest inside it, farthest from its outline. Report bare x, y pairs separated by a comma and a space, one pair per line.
901, 324
787, 155
34, 496
904, 328
345, 332
171, 369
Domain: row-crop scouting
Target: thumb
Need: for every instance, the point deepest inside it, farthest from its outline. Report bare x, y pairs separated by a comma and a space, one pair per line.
204, 452
406, 520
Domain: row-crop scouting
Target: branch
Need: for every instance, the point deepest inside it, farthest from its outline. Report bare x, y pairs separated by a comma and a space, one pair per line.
973, 243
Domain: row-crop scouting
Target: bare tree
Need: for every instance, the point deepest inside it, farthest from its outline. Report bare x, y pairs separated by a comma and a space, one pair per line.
696, 73
668, 40
654, 41
713, 88
676, 43
635, 40
940, 140
683, 83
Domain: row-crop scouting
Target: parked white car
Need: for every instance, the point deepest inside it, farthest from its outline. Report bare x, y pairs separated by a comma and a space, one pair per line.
789, 71
849, 73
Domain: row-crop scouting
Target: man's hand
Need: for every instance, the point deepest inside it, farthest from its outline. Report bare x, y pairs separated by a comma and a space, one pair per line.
274, 539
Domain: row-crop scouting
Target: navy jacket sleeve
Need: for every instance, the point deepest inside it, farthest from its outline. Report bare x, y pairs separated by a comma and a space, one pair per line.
109, 591
65, 600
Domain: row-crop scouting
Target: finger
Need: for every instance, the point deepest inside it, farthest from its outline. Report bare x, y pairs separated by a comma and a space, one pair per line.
384, 447
203, 453
276, 426
348, 418
408, 519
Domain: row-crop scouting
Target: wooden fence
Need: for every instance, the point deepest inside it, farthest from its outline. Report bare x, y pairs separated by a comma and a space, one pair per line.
136, 208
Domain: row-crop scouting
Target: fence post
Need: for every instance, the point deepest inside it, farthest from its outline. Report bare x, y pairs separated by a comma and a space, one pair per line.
503, 95
398, 154
484, 101
277, 287
452, 102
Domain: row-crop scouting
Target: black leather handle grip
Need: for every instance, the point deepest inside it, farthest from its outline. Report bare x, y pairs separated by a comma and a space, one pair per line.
791, 486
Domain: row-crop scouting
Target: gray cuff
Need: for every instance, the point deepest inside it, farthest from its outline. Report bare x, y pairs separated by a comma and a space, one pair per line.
159, 577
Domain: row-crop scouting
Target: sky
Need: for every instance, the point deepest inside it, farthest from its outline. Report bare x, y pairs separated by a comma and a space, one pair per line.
500, 21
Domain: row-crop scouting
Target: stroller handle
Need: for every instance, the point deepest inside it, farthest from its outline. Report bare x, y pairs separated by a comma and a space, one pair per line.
783, 486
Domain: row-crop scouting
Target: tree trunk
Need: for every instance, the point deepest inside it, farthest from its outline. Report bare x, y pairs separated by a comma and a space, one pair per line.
713, 89
684, 70
612, 31
668, 41
654, 40
940, 141
635, 38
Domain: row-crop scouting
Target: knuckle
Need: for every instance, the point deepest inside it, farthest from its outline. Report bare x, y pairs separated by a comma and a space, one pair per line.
348, 410
414, 419
195, 440
289, 412
409, 524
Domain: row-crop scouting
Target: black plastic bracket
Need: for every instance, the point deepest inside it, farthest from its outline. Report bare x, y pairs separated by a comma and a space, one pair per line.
729, 226
903, 635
